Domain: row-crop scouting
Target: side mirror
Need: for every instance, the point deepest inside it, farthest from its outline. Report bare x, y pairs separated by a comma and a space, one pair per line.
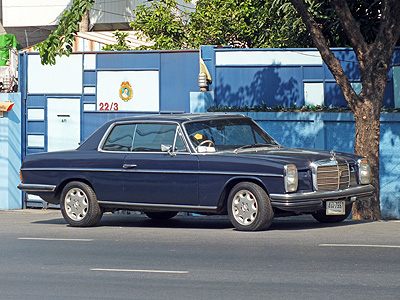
167, 148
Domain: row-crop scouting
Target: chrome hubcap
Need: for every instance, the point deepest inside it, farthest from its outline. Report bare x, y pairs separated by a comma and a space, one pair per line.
76, 204
244, 207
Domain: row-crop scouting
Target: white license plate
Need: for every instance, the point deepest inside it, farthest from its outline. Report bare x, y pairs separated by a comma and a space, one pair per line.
335, 208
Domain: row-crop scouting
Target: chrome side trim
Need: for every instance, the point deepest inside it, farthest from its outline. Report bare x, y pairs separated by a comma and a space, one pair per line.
240, 174
37, 188
299, 198
155, 171
159, 206
72, 169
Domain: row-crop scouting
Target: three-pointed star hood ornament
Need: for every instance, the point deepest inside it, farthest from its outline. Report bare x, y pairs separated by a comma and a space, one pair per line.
333, 155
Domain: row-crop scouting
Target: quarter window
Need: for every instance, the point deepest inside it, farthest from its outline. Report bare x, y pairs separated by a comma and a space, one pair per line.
120, 138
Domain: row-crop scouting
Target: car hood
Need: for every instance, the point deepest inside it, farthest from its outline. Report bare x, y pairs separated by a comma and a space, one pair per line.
300, 157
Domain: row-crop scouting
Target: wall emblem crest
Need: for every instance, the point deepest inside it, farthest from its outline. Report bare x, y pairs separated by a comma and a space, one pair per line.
125, 91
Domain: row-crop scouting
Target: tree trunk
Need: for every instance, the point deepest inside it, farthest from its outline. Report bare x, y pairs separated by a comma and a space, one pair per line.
85, 22
374, 62
367, 117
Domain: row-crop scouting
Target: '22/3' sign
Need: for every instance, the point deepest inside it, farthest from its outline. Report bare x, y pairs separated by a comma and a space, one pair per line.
105, 106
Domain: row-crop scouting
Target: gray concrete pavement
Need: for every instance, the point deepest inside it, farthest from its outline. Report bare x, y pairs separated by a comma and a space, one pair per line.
132, 257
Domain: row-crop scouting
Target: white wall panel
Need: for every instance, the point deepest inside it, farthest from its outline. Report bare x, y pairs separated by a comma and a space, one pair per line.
89, 90
314, 93
35, 114
63, 78
89, 61
277, 58
63, 123
20, 13
144, 87
36, 140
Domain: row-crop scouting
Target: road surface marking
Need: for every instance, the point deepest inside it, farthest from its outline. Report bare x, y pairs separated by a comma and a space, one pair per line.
55, 239
140, 271
357, 245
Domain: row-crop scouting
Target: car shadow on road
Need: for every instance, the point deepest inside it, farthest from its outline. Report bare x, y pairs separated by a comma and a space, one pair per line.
184, 222
304, 222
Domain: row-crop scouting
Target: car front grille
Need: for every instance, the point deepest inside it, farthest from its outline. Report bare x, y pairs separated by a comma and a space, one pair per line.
331, 174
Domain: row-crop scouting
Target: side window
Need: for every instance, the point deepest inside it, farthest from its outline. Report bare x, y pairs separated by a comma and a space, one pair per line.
120, 138
179, 145
150, 137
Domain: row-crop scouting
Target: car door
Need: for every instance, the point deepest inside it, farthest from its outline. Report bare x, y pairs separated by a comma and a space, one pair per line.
159, 169
106, 164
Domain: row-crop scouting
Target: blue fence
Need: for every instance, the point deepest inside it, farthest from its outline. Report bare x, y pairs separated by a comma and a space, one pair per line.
285, 77
239, 77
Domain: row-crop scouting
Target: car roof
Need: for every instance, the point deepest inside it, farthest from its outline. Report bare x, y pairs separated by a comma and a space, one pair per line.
92, 142
179, 117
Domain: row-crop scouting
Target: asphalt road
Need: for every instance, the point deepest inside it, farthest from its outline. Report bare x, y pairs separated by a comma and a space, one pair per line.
132, 257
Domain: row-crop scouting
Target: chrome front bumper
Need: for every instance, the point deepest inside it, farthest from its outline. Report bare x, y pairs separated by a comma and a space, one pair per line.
317, 198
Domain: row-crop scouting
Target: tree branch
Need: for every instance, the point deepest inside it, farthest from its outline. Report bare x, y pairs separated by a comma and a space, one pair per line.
351, 28
61, 39
389, 30
327, 55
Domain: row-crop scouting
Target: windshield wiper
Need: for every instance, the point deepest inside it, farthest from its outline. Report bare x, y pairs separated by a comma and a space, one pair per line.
254, 146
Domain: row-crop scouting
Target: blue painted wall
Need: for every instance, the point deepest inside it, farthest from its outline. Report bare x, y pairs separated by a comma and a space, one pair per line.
178, 76
239, 85
10, 153
277, 83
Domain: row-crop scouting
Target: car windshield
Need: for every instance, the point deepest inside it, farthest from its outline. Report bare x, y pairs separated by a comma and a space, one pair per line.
228, 134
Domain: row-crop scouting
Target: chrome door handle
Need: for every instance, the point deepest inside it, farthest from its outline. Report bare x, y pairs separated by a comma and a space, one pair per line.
128, 166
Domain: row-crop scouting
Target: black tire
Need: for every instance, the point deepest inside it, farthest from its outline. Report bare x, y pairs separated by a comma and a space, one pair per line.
321, 216
249, 207
79, 205
161, 215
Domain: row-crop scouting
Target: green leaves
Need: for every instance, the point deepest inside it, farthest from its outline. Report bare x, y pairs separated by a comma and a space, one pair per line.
60, 40
121, 45
239, 23
163, 23
247, 23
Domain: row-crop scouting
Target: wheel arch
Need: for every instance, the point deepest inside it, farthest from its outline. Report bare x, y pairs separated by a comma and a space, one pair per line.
229, 186
63, 183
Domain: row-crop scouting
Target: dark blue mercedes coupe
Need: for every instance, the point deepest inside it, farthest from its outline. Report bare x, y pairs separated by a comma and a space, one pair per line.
200, 163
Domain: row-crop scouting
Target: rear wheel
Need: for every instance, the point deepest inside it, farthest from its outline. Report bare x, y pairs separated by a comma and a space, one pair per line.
163, 215
79, 205
249, 207
321, 216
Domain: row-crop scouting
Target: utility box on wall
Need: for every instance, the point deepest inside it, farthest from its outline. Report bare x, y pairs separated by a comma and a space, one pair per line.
10, 152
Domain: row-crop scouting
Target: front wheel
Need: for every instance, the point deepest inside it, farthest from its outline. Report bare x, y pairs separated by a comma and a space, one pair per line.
321, 216
79, 205
249, 207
